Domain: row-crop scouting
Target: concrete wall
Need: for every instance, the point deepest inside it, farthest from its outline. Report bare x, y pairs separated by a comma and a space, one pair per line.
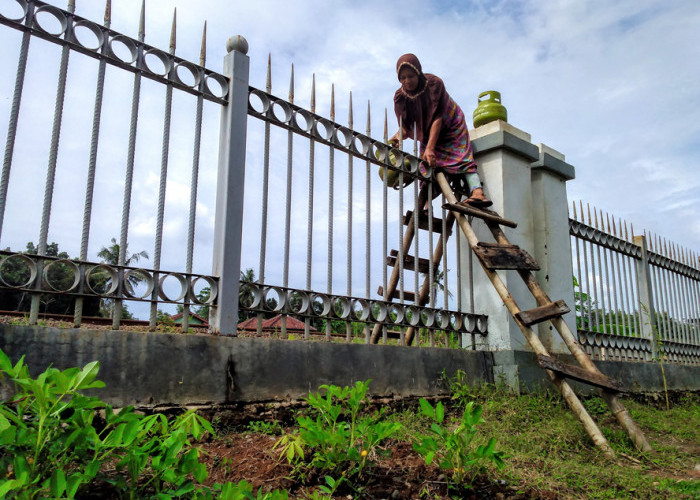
145, 369
156, 368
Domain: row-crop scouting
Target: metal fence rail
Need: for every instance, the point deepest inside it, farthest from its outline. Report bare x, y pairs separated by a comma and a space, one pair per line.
637, 298
108, 48
331, 295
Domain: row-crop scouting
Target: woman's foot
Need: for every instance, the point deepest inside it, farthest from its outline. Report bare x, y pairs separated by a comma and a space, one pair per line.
478, 199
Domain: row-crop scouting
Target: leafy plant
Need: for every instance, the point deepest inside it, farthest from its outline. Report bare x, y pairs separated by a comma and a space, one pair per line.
452, 448
342, 440
263, 427
50, 446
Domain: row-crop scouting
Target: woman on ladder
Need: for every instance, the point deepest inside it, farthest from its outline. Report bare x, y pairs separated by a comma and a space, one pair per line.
440, 127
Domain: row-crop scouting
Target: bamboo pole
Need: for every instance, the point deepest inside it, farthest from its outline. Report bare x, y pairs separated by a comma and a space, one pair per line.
534, 341
394, 279
610, 397
427, 282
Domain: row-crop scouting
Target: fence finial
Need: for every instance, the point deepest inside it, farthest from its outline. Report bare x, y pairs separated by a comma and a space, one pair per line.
203, 49
268, 77
332, 102
313, 93
350, 117
173, 30
573, 206
369, 123
142, 22
108, 13
71, 6
291, 86
237, 43
386, 127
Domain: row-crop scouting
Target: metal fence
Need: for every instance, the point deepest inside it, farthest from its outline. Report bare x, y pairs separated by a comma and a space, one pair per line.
320, 263
637, 297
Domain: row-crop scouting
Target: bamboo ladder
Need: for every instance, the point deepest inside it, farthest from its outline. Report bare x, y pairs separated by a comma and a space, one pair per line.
503, 255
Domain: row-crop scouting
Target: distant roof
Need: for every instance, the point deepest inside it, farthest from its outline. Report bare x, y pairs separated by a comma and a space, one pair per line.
274, 324
204, 321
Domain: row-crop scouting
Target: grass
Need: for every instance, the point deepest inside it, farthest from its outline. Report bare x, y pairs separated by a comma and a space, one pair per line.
550, 451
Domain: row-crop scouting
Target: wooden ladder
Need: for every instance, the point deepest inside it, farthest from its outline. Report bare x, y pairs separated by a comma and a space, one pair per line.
503, 255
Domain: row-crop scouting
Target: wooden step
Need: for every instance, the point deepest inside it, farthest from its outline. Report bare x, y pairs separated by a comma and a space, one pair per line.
423, 222
482, 213
408, 262
578, 373
407, 296
542, 313
496, 256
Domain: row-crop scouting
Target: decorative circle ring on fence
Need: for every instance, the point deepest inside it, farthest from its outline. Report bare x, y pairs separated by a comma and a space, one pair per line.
153, 57
45, 15
23, 7
26, 274
55, 266
115, 44
102, 275
187, 74
138, 276
82, 31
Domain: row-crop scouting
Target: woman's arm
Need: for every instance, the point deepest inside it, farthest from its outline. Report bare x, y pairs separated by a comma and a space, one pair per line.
429, 153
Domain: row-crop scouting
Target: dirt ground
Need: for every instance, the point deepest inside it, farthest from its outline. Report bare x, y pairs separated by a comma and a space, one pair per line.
400, 474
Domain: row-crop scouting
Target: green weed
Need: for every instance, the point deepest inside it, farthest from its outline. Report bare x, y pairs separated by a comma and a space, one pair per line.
452, 448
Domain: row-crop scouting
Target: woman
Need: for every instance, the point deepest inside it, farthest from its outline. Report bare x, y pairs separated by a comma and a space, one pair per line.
440, 127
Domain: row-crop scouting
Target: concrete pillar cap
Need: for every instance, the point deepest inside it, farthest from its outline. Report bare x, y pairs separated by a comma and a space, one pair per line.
237, 43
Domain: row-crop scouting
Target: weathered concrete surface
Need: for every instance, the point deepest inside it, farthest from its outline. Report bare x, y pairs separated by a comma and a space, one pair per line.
156, 368
635, 377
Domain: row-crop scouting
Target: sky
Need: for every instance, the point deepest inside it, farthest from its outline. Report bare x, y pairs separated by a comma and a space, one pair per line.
611, 85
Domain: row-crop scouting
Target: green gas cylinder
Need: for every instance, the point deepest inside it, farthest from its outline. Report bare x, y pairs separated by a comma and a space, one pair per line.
489, 109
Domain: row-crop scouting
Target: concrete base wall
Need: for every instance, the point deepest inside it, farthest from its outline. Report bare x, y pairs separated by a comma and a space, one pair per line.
144, 369
155, 368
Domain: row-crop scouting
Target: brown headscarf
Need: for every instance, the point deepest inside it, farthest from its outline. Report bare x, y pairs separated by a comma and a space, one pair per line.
424, 105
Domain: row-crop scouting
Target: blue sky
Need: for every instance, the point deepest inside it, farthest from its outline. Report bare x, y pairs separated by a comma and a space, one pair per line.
612, 85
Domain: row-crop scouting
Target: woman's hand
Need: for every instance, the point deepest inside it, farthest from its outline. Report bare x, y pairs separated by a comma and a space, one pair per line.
429, 156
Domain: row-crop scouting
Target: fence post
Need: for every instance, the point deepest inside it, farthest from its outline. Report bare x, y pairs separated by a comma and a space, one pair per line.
228, 223
646, 298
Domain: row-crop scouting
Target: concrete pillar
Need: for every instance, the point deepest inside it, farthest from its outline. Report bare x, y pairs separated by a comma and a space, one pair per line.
527, 184
552, 243
228, 224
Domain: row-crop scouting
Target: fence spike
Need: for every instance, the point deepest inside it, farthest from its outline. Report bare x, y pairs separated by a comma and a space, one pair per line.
580, 206
573, 209
173, 32
332, 102
350, 117
627, 236
607, 218
268, 79
291, 86
142, 22
313, 93
71, 6
615, 228
203, 48
386, 128
108, 13
595, 215
369, 123
590, 219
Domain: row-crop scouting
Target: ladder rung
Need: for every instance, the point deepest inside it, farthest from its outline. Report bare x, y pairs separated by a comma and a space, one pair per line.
542, 313
495, 256
423, 222
408, 296
408, 262
482, 213
578, 373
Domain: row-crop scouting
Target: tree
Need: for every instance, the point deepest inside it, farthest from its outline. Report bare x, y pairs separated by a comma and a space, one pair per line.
110, 256
58, 274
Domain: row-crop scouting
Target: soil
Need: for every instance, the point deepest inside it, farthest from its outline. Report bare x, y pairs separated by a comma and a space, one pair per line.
399, 473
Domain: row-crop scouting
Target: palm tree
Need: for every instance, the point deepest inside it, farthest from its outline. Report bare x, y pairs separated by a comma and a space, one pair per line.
110, 256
